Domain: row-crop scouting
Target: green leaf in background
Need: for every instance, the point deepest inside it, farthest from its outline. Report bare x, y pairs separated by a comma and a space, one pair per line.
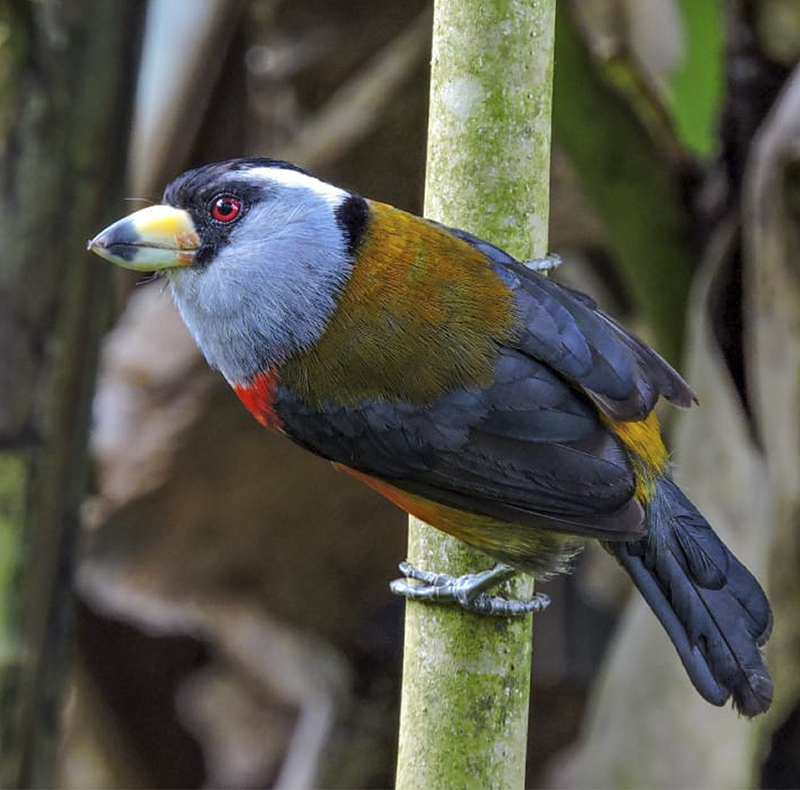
696, 87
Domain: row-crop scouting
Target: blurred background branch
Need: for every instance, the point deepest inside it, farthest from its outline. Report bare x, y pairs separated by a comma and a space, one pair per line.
66, 75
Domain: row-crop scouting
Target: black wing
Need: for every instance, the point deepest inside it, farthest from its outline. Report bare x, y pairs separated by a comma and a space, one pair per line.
529, 449
532, 448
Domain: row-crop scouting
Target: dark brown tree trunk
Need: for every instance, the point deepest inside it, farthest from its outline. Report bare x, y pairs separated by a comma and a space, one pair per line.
65, 85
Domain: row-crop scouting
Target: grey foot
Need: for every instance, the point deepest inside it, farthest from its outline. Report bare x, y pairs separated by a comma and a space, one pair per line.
546, 264
467, 591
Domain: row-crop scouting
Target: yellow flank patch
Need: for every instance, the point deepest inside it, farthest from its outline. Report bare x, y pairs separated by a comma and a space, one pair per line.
422, 314
643, 439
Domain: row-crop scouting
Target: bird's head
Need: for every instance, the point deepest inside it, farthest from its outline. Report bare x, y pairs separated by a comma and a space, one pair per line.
256, 252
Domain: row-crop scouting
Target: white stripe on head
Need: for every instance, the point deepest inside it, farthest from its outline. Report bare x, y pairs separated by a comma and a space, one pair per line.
332, 195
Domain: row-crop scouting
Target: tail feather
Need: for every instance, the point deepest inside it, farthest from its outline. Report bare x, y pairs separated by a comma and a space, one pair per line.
710, 605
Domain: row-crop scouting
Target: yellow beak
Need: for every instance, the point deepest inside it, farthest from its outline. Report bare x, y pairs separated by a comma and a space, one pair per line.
154, 238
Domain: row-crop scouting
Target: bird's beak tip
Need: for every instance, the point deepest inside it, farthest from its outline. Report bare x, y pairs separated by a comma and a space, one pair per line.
152, 239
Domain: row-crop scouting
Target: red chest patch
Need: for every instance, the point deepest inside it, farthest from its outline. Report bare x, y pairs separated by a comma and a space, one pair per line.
258, 396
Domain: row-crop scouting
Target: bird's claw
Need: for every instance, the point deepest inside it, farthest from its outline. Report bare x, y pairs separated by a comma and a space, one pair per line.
467, 591
546, 264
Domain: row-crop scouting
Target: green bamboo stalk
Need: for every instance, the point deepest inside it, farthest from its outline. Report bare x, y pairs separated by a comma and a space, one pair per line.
466, 678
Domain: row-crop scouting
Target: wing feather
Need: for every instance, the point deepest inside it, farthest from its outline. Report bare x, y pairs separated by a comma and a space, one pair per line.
529, 449
535, 447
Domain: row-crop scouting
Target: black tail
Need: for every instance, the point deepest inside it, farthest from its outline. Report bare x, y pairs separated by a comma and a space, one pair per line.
713, 609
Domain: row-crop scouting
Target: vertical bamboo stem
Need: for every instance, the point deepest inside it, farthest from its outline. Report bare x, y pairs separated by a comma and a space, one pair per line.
466, 679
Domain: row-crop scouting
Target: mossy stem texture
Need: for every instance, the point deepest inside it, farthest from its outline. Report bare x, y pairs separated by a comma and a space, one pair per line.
466, 678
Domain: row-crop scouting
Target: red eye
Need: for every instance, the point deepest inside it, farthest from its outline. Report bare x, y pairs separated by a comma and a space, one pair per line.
226, 208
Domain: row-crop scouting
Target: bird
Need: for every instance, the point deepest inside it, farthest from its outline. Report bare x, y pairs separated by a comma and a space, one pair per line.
462, 384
